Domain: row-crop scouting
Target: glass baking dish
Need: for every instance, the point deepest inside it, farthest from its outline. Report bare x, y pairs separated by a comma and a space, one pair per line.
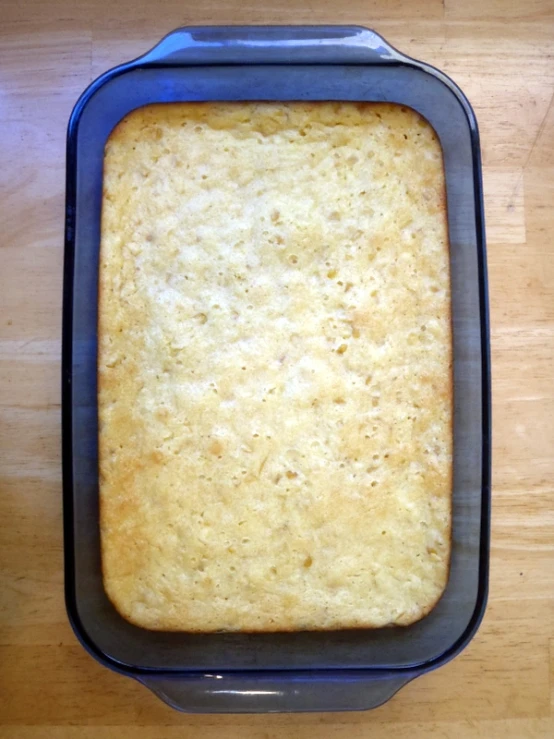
233, 672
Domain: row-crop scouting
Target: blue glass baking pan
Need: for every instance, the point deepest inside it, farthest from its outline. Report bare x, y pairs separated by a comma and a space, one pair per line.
304, 671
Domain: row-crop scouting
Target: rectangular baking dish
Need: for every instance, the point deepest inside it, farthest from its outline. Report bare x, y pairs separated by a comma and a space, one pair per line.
340, 670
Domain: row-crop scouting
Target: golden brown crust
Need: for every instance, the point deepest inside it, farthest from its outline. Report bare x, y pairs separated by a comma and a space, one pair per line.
275, 384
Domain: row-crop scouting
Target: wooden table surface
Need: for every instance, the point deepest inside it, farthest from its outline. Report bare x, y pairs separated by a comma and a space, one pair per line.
501, 54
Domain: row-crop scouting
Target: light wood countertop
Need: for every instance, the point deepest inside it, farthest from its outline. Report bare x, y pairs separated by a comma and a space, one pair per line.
502, 55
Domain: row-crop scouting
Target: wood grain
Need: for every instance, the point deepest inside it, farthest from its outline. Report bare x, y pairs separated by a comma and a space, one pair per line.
501, 53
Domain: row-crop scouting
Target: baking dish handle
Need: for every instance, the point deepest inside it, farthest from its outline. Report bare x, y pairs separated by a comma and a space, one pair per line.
272, 45
348, 690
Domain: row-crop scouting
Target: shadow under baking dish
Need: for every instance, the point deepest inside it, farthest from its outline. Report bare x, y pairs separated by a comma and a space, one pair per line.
265, 74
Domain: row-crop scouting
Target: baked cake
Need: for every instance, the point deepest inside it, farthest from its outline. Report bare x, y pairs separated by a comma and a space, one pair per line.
274, 365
